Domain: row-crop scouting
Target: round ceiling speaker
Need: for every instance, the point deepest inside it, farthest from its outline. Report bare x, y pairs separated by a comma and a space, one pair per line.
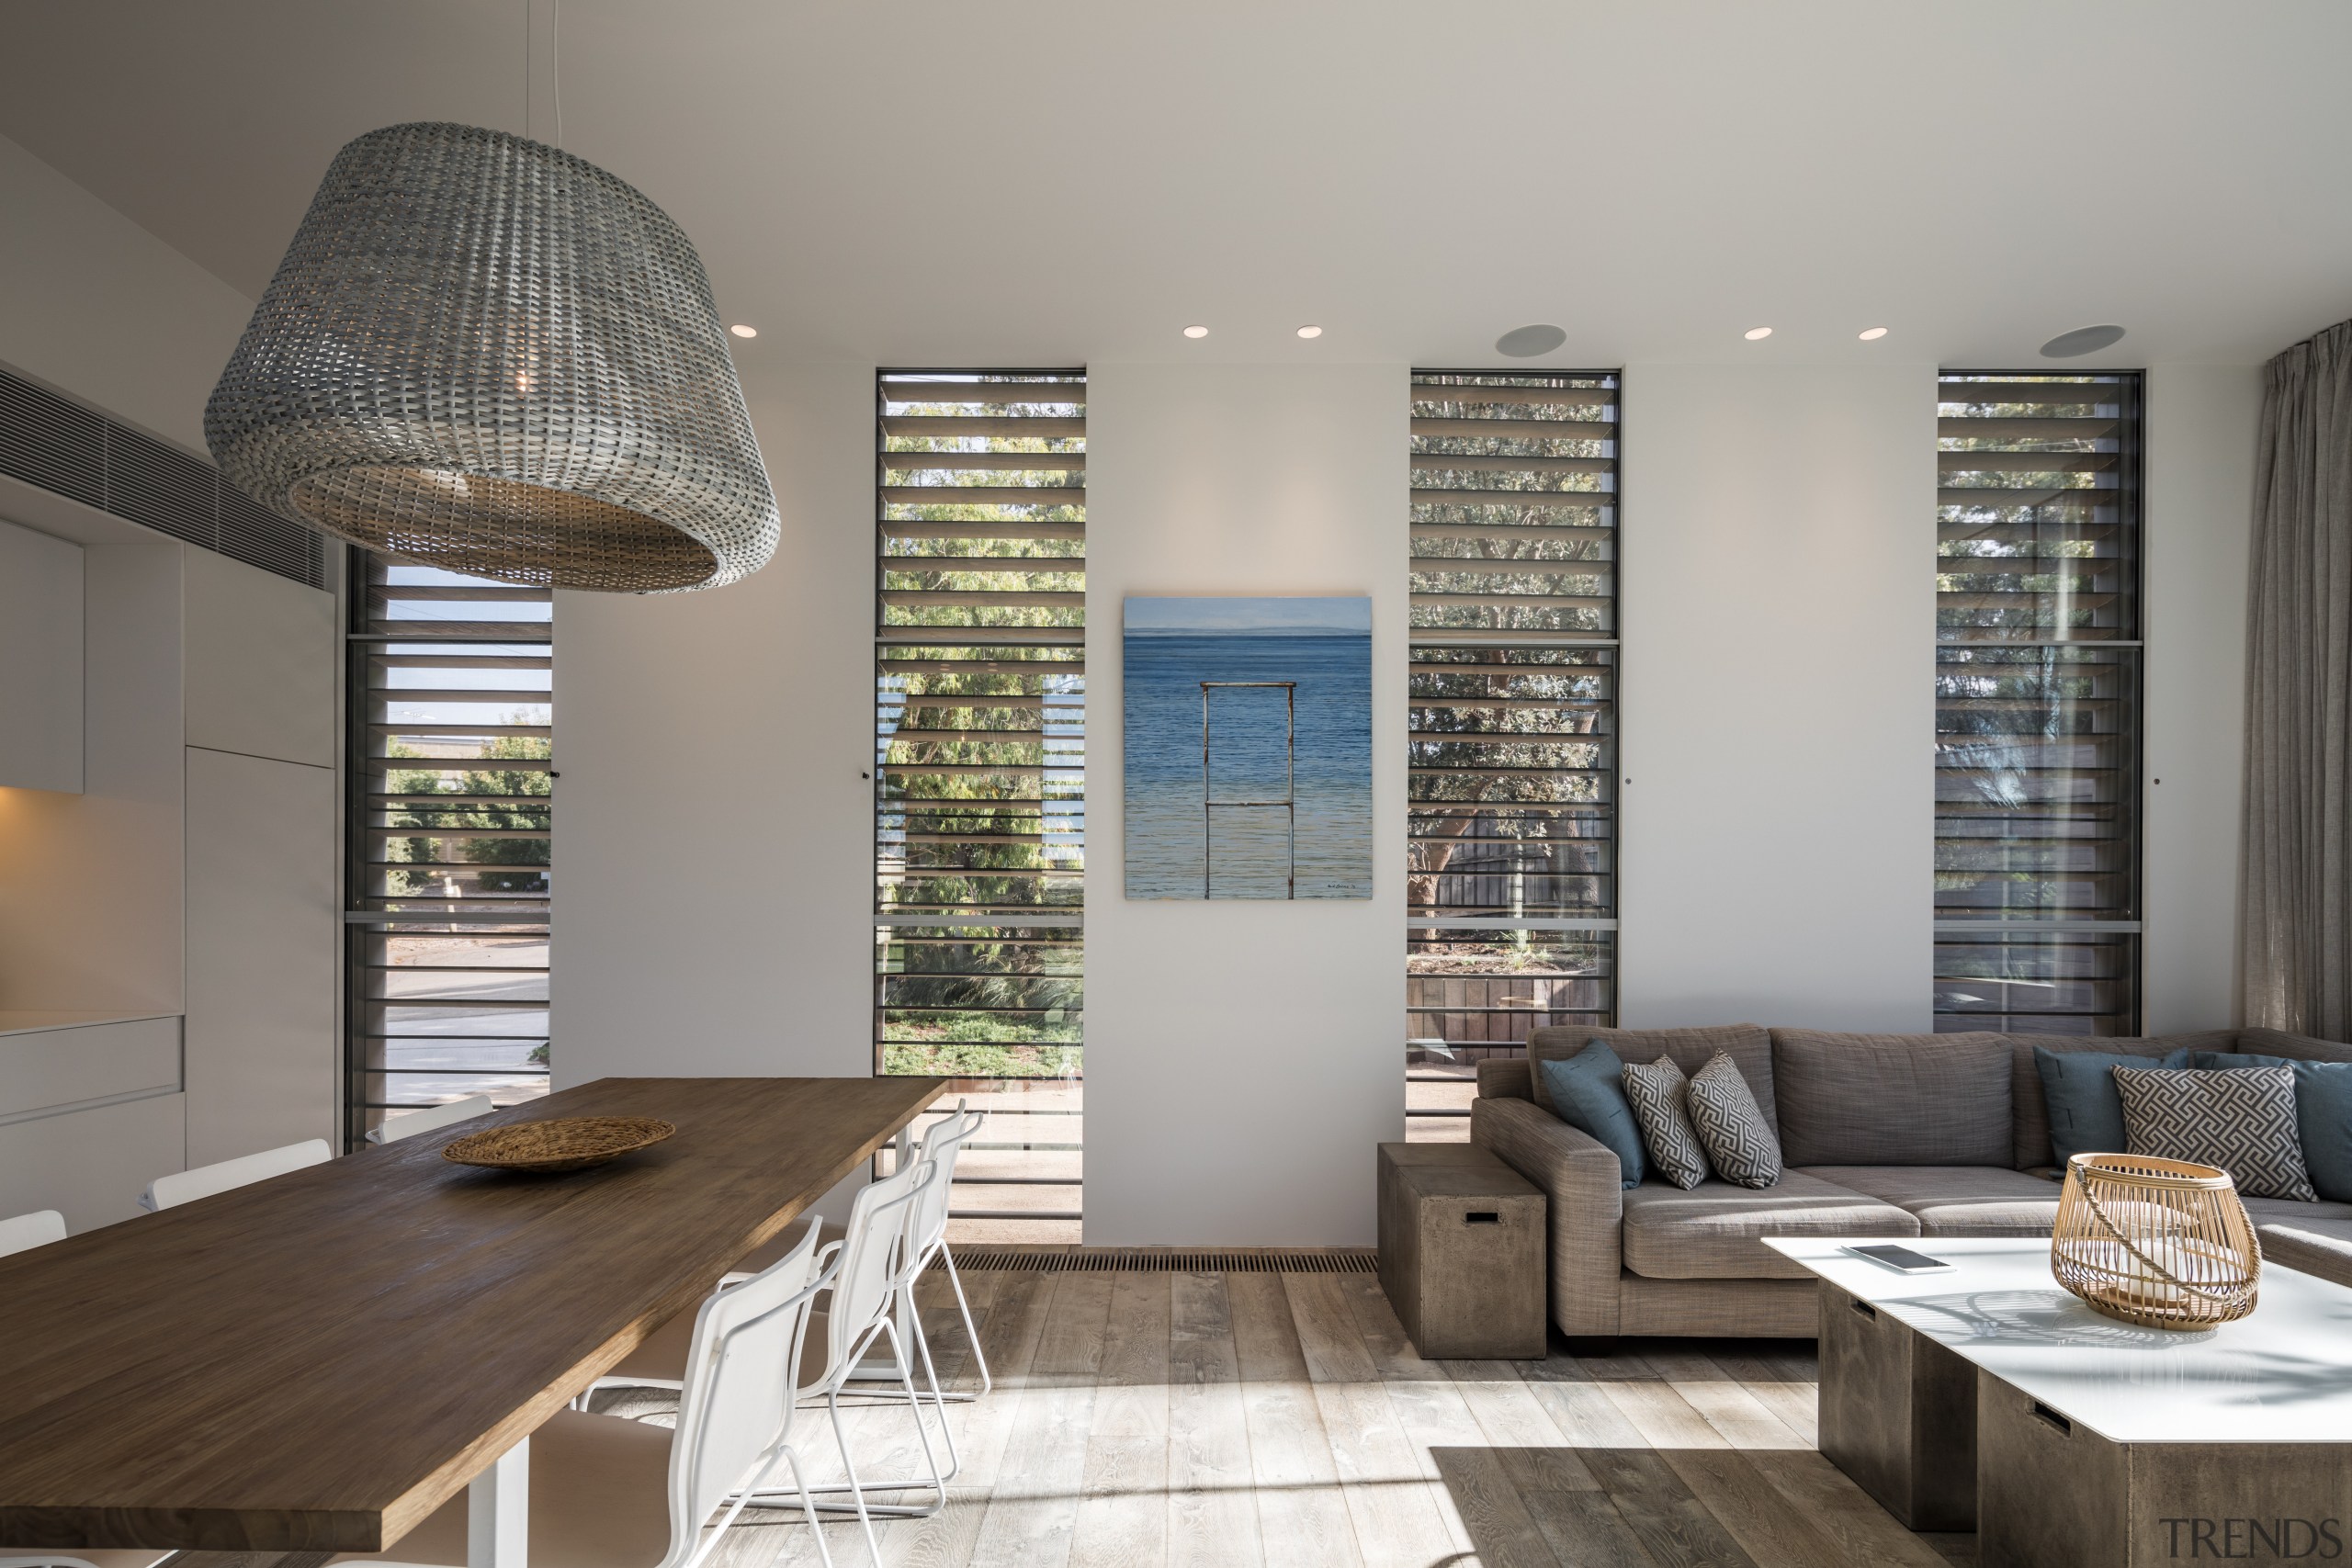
485, 355
2082, 340
1526, 343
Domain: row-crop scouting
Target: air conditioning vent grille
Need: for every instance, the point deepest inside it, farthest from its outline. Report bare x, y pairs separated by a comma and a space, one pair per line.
46, 441
73, 450
166, 491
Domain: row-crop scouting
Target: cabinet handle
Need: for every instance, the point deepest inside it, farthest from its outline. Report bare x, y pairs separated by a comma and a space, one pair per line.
1861, 1306
2049, 1417
1482, 1217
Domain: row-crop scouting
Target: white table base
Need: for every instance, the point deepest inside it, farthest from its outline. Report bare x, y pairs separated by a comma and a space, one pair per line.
498, 1512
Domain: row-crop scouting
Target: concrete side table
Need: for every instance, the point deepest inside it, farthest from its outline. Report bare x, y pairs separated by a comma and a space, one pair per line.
1461, 1238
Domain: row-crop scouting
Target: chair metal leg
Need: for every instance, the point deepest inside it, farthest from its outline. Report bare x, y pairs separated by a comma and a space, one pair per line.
938, 1399
939, 1396
816, 1525
914, 1408
743, 1500
764, 1498
857, 1493
971, 1333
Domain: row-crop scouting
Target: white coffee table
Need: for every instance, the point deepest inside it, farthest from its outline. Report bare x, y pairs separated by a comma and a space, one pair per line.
2091, 1441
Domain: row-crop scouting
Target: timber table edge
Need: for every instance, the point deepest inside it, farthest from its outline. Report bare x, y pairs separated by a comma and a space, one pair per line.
55, 1525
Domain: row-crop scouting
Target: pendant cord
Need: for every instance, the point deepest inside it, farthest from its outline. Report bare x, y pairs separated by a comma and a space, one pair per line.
555, 62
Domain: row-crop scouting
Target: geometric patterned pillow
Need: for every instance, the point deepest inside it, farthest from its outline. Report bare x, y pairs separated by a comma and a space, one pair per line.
1659, 1094
1738, 1141
2242, 1122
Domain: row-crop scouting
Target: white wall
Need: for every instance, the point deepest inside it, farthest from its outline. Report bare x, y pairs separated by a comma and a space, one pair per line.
714, 812
92, 302
2202, 423
1242, 1058
713, 827
1777, 853
1776, 699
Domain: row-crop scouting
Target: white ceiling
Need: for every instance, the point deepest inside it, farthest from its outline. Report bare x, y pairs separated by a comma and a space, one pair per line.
1010, 182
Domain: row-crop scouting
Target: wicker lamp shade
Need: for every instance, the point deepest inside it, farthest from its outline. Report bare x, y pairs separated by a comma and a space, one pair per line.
484, 354
2159, 1242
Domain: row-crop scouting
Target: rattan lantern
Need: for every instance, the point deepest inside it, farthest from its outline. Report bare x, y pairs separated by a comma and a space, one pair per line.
484, 354
2158, 1242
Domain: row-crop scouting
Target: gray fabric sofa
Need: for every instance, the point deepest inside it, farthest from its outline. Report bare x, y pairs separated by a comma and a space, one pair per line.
1882, 1134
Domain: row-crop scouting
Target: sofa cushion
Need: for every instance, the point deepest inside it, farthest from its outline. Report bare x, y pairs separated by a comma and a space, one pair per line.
1964, 1200
2243, 1123
2322, 1113
2029, 1112
1712, 1232
2294, 1047
1589, 1093
2078, 1096
1891, 1099
1749, 1045
1731, 1127
1659, 1095
2316, 1247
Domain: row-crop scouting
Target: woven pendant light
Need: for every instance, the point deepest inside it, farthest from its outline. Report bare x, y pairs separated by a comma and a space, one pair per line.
483, 354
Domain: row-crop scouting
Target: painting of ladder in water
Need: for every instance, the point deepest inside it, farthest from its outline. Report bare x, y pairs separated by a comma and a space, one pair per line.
1249, 747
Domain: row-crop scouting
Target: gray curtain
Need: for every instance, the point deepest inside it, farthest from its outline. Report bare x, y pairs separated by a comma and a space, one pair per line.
2298, 890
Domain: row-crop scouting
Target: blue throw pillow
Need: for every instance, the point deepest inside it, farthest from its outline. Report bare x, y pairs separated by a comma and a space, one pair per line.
2086, 1112
1589, 1093
2322, 1115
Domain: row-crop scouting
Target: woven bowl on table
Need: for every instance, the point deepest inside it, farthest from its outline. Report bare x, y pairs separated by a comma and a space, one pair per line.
570, 1143
2158, 1242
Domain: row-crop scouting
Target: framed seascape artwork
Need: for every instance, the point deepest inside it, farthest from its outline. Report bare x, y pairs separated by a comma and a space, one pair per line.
1249, 747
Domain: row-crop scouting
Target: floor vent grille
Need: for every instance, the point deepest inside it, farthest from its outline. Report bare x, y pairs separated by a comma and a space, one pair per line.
1157, 1261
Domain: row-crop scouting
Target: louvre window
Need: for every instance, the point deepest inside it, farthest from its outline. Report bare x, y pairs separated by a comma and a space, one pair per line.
1511, 866
451, 778
2038, 703
981, 775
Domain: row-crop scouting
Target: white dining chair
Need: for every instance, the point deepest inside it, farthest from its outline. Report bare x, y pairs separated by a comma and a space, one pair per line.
607, 1492
927, 1233
89, 1557
186, 1186
28, 1231
873, 1267
658, 1361
391, 1128
941, 1143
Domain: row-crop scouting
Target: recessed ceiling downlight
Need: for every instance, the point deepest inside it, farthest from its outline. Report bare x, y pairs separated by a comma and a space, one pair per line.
1871, 334
1756, 335
2082, 340
1526, 343
1310, 332
1196, 331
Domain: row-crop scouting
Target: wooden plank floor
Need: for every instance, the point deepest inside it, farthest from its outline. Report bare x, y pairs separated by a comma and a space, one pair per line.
1224, 1420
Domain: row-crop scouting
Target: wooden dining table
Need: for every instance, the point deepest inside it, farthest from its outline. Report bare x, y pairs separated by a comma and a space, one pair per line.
315, 1362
